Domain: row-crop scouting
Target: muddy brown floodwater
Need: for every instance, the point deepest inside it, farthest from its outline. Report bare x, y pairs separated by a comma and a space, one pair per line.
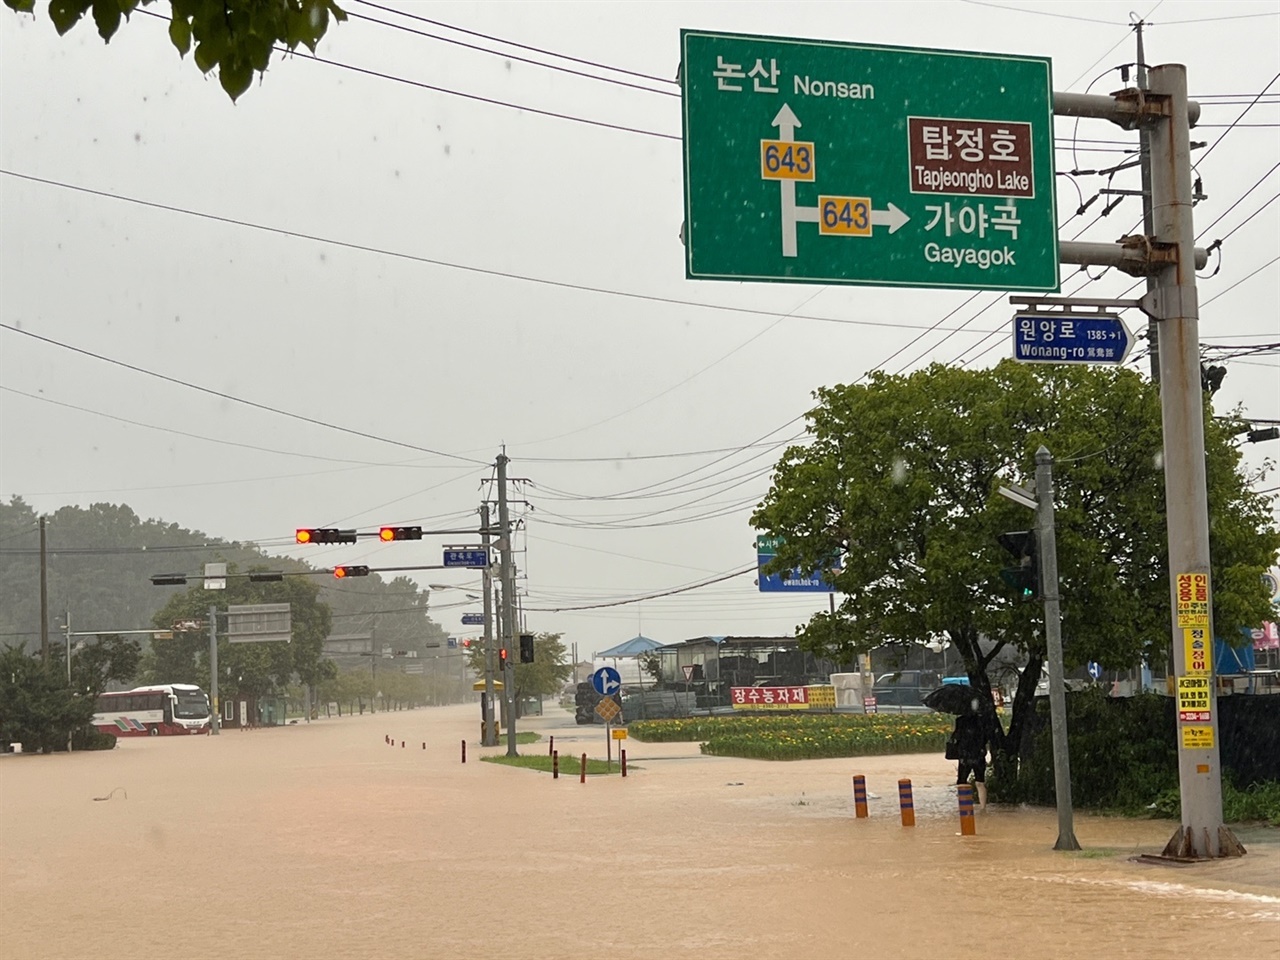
318, 840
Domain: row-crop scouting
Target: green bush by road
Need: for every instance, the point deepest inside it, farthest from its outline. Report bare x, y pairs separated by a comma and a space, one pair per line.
803, 736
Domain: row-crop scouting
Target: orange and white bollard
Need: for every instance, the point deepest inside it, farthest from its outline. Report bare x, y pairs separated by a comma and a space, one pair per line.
860, 796
582, 778
906, 803
964, 794
555, 764
623, 754
464, 751
551, 747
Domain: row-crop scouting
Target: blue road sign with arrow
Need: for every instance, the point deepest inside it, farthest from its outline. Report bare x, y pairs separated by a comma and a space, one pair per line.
1067, 338
606, 681
796, 581
1095, 669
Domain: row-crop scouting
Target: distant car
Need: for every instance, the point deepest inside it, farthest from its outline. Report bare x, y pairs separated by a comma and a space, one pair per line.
903, 690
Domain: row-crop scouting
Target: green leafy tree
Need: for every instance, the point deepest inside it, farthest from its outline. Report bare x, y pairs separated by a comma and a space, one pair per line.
236, 36
37, 709
253, 669
547, 674
98, 662
899, 482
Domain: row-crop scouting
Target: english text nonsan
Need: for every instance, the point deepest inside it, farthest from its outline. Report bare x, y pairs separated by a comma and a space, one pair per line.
830, 88
983, 259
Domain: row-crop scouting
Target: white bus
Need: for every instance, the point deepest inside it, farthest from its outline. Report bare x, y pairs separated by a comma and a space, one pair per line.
162, 710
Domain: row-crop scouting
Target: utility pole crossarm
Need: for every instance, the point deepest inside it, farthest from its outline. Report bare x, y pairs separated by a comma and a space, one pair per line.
1127, 107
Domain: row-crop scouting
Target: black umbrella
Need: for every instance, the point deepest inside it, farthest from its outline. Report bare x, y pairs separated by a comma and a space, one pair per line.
958, 698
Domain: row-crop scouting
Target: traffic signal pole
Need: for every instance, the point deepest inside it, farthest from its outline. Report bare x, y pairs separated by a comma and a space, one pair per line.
1168, 254
490, 738
508, 603
1047, 548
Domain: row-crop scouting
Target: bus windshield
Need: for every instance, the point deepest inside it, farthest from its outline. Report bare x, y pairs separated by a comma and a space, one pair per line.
191, 704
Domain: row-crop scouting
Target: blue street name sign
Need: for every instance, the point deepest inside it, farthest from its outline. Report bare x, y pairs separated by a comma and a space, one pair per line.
466, 557
794, 582
473, 619
606, 681
1056, 338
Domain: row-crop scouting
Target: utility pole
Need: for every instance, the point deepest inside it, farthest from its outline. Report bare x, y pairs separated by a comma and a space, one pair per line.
67, 628
44, 599
1169, 255
490, 738
376, 652
215, 716
1144, 162
1176, 306
1047, 550
508, 602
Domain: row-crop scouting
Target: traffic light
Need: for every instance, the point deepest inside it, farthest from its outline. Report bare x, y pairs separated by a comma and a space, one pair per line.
350, 571
388, 534
325, 535
502, 658
1024, 579
526, 648
467, 644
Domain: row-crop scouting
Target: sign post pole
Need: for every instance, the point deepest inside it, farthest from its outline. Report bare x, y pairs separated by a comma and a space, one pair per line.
215, 717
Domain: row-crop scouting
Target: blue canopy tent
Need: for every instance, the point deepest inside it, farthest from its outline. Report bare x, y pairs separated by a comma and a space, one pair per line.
631, 648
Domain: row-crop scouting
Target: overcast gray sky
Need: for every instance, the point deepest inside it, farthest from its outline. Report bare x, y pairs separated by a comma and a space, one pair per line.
487, 345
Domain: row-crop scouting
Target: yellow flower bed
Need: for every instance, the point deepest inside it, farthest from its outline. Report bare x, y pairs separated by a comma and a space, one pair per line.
803, 736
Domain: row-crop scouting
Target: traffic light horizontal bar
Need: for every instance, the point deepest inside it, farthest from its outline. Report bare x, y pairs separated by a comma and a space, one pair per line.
180, 579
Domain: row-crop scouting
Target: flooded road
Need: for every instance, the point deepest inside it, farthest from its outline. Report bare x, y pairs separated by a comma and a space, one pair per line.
321, 841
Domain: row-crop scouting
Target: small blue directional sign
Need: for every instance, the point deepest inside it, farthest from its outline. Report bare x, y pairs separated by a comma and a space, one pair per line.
466, 557
473, 619
606, 681
794, 582
1060, 338
1095, 669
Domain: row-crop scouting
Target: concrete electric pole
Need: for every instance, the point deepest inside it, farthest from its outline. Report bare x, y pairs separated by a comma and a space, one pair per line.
508, 603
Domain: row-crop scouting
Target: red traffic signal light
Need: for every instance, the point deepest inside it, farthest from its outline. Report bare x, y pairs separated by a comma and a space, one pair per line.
466, 643
388, 534
502, 656
350, 571
325, 535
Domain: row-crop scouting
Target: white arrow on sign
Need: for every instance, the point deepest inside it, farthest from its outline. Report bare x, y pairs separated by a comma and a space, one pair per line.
893, 218
786, 121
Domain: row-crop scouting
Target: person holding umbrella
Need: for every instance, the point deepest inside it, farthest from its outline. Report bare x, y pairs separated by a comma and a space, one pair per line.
970, 748
968, 742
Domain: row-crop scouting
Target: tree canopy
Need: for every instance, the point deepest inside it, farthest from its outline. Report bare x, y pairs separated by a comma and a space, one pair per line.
236, 36
255, 669
548, 673
900, 482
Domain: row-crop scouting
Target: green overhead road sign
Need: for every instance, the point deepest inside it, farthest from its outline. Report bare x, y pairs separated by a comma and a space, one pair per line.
819, 162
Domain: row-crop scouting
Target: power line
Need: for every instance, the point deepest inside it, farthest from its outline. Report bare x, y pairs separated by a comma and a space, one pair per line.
1236, 121
505, 56
233, 398
467, 268
513, 43
651, 596
229, 443
1205, 303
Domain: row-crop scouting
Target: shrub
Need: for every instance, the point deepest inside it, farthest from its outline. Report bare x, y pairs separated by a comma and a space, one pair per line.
801, 736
